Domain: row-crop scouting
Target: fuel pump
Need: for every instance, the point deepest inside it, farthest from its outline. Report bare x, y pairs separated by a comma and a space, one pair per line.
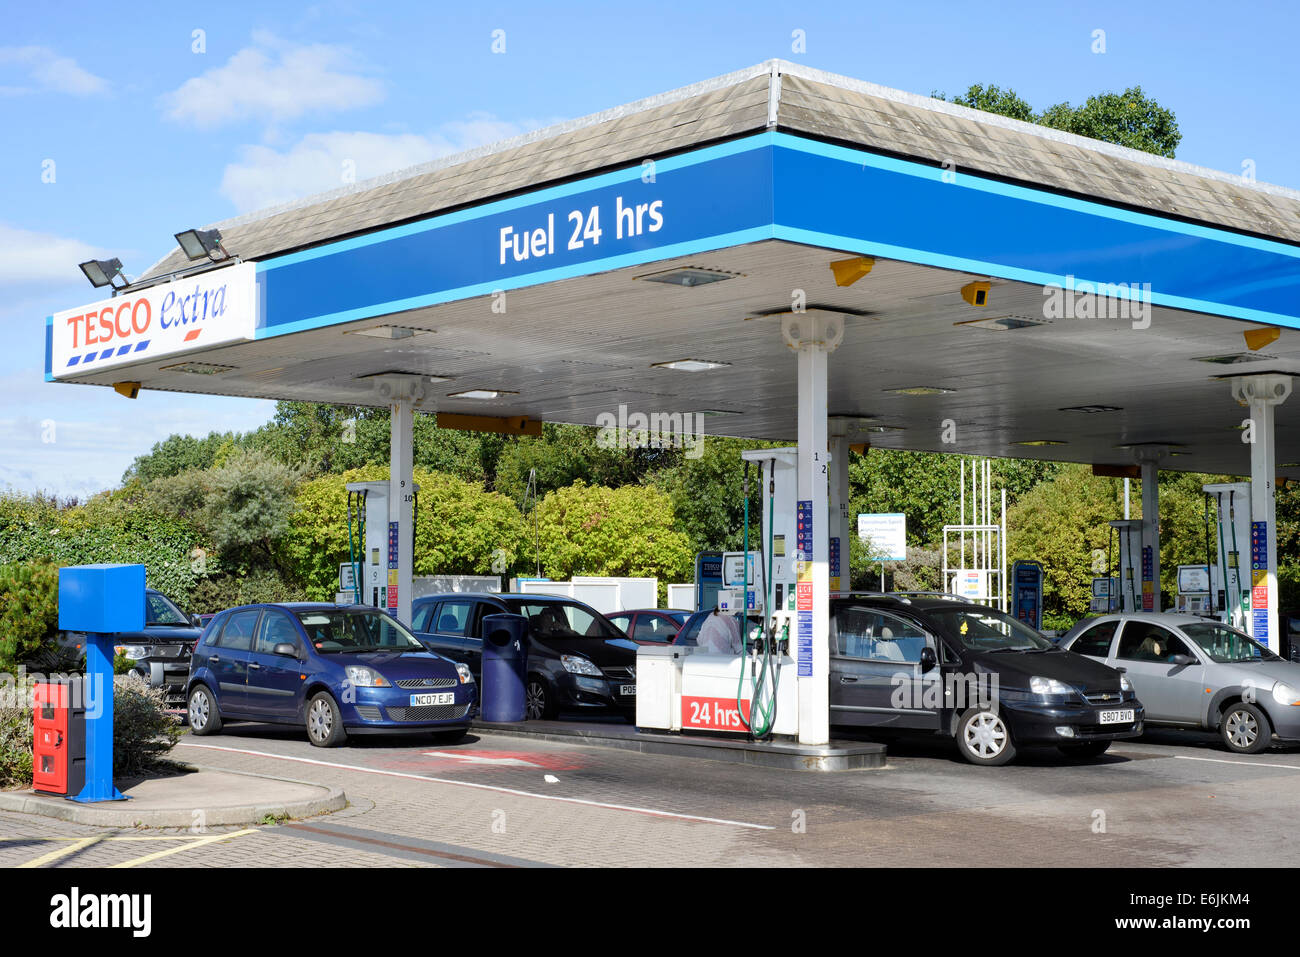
1129, 531
1231, 535
368, 553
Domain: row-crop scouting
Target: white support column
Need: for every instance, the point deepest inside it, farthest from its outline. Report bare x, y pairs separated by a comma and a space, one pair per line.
839, 505
1149, 561
402, 392
1262, 394
814, 338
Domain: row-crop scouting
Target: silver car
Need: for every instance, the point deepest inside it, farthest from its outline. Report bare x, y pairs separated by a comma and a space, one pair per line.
1196, 673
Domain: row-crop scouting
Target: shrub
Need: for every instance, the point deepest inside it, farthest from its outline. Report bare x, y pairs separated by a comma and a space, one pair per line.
15, 741
143, 731
29, 611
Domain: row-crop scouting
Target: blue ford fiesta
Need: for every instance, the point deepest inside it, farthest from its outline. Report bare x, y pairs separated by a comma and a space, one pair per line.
336, 669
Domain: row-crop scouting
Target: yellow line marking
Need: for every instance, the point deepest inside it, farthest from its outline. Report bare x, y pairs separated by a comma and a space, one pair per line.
200, 842
62, 852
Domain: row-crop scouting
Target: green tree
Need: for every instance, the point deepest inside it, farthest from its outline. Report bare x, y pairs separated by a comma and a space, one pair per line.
708, 495
29, 611
993, 99
564, 454
595, 530
1060, 524
461, 529
176, 454
1129, 119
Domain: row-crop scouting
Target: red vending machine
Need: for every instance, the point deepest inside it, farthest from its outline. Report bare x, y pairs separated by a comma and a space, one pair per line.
59, 738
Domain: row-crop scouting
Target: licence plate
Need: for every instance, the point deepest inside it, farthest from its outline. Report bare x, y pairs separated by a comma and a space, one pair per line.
627, 689
1116, 717
444, 697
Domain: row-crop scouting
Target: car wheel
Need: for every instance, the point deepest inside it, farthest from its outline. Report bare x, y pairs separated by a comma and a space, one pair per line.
539, 703
1245, 728
984, 737
1093, 749
450, 737
202, 713
324, 722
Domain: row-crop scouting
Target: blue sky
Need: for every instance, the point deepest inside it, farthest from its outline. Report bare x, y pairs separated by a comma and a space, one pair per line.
145, 135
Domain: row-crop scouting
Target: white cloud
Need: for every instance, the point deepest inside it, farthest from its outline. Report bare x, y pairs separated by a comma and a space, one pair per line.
31, 257
50, 71
271, 81
78, 440
263, 176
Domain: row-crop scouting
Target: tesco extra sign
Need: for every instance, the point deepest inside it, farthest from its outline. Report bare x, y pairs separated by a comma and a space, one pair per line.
213, 307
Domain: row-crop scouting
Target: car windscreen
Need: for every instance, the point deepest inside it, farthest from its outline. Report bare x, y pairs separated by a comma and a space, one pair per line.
558, 619
340, 631
160, 611
988, 630
1226, 645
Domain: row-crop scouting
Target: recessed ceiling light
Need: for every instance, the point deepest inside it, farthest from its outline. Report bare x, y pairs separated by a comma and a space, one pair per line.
480, 394
391, 332
689, 276
1038, 442
1004, 323
921, 390
197, 368
689, 365
1091, 409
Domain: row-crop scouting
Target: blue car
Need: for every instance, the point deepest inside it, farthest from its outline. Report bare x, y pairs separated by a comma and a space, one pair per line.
335, 669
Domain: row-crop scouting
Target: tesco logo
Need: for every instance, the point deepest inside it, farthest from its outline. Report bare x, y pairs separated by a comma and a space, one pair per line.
133, 317
94, 327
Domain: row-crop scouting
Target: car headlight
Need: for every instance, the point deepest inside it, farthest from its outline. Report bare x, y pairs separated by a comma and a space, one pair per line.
465, 677
578, 665
134, 652
1283, 693
1048, 686
1125, 684
363, 677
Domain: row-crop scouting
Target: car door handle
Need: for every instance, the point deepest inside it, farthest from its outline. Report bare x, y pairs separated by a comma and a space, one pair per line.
213, 658
254, 664
847, 679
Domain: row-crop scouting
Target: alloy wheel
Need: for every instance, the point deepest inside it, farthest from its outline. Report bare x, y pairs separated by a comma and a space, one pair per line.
986, 735
321, 719
1242, 729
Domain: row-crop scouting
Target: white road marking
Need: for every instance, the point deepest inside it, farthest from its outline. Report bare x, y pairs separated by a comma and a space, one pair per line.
1244, 764
480, 759
484, 787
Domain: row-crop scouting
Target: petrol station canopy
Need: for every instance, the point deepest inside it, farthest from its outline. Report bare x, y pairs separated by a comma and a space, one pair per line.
557, 272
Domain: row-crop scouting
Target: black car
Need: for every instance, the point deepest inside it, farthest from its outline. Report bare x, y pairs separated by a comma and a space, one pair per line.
577, 659
161, 650
947, 666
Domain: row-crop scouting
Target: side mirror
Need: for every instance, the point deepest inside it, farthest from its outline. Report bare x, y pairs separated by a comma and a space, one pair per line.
194, 620
286, 648
928, 660
1182, 660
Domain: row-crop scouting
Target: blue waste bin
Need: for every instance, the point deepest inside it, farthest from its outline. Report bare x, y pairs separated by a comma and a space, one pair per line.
505, 666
